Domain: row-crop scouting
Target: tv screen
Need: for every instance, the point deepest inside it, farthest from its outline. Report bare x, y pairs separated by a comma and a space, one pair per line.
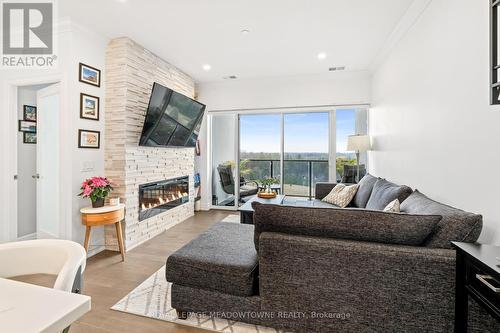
172, 119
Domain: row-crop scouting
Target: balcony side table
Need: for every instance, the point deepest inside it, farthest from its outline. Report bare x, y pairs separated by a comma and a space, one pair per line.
94, 217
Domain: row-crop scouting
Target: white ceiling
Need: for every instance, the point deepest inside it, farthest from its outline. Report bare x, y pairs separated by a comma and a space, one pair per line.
285, 35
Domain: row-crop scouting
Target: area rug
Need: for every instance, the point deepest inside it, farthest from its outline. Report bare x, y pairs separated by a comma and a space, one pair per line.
232, 218
152, 299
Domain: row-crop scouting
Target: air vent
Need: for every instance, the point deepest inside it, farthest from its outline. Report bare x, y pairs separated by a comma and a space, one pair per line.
230, 77
335, 69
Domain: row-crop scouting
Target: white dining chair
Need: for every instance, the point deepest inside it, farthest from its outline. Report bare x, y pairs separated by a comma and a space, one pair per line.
63, 258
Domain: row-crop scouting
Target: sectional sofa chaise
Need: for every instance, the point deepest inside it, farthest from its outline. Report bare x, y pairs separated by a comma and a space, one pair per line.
326, 269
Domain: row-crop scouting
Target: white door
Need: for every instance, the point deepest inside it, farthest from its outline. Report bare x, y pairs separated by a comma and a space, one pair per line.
48, 161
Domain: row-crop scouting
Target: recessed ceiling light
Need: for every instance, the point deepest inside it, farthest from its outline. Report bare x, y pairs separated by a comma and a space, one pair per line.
321, 55
245, 32
207, 67
122, 1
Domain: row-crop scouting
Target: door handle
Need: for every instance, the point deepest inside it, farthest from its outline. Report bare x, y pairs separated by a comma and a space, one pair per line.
36, 176
15, 177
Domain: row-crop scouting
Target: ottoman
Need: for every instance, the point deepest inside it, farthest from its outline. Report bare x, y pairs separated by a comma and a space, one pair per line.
222, 264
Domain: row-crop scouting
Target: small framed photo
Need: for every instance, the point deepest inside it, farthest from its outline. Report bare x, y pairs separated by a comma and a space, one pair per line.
90, 75
29, 113
29, 138
27, 126
89, 107
89, 139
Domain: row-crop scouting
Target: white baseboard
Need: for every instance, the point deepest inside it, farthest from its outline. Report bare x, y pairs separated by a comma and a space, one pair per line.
95, 250
40, 234
27, 237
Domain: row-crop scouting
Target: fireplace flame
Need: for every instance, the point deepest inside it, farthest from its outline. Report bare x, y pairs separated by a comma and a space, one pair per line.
165, 199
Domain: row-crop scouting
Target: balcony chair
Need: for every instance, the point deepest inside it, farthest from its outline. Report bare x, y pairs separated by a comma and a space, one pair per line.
350, 173
247, 188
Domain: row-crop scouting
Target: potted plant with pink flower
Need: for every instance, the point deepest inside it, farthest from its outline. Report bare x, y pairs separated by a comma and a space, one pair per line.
97, 189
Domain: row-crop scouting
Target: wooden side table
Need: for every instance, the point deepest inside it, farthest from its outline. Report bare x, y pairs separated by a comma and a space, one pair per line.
94, 217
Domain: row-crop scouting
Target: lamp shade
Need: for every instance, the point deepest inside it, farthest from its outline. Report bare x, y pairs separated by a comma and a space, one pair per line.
358, 143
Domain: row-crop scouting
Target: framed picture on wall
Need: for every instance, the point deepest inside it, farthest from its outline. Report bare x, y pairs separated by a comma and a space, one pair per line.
90, 75
29, 138
29, 113
27, 126
89, 139
89, 107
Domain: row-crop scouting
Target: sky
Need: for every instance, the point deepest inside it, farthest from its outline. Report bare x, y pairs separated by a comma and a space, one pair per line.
304, 132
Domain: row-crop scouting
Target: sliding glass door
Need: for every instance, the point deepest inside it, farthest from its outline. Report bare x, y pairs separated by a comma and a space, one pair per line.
306, 157
224, 169
260, 152
295, 150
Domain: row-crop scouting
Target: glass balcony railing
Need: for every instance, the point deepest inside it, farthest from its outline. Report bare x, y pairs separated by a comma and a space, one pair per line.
300, 176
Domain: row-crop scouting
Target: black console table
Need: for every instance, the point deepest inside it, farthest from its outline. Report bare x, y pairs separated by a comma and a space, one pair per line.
246, 211
477, 275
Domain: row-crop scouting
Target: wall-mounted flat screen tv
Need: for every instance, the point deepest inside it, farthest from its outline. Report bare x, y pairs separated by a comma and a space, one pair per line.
172, 119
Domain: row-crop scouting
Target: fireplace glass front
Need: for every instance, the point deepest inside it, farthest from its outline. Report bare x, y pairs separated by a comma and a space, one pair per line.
158, 197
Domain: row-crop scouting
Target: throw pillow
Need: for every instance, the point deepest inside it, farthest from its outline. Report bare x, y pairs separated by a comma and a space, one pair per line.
384, 192
364, 191
341, 195
393, 206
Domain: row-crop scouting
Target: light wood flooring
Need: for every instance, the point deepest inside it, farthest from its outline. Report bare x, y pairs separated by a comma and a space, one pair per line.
107, 279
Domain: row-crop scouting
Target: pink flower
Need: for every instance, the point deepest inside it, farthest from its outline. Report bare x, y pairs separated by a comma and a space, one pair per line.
85, 184
99, 182
87, 191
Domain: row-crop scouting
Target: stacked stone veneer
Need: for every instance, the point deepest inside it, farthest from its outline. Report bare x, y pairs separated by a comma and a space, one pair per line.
131, 71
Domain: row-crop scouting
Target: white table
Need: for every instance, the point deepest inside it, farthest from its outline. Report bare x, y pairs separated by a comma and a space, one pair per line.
28, 308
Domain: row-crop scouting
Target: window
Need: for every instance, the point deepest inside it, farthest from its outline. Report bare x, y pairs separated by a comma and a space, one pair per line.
349, 122
297, 149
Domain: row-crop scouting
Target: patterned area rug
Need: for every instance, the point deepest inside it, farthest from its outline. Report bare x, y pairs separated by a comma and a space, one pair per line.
232, 218
152, 299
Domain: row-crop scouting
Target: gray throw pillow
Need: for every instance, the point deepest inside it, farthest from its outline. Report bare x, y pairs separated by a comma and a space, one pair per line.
364, 191
384, 192
344, 223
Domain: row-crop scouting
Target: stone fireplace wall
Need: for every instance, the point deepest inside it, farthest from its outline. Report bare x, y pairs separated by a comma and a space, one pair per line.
131, 71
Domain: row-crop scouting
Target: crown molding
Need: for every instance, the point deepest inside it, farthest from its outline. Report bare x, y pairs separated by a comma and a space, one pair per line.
407, 21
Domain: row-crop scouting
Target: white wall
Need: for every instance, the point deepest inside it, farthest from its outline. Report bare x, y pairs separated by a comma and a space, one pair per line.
342, 88
76, 44
88, 48
432, 124
26, 168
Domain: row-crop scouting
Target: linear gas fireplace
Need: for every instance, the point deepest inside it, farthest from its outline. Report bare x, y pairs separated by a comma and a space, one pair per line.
158, 197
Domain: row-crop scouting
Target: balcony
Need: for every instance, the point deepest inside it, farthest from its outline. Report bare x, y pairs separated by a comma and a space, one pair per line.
300, 176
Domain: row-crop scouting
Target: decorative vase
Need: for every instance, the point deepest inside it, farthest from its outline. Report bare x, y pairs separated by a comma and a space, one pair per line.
99, 202
268, 189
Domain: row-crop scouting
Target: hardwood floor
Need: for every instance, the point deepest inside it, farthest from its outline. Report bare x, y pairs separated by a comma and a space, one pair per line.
107, 279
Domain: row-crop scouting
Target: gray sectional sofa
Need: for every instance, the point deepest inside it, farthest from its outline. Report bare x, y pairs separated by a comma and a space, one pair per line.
326, 269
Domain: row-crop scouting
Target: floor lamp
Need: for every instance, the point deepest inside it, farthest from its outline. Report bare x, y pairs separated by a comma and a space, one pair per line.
358, 143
